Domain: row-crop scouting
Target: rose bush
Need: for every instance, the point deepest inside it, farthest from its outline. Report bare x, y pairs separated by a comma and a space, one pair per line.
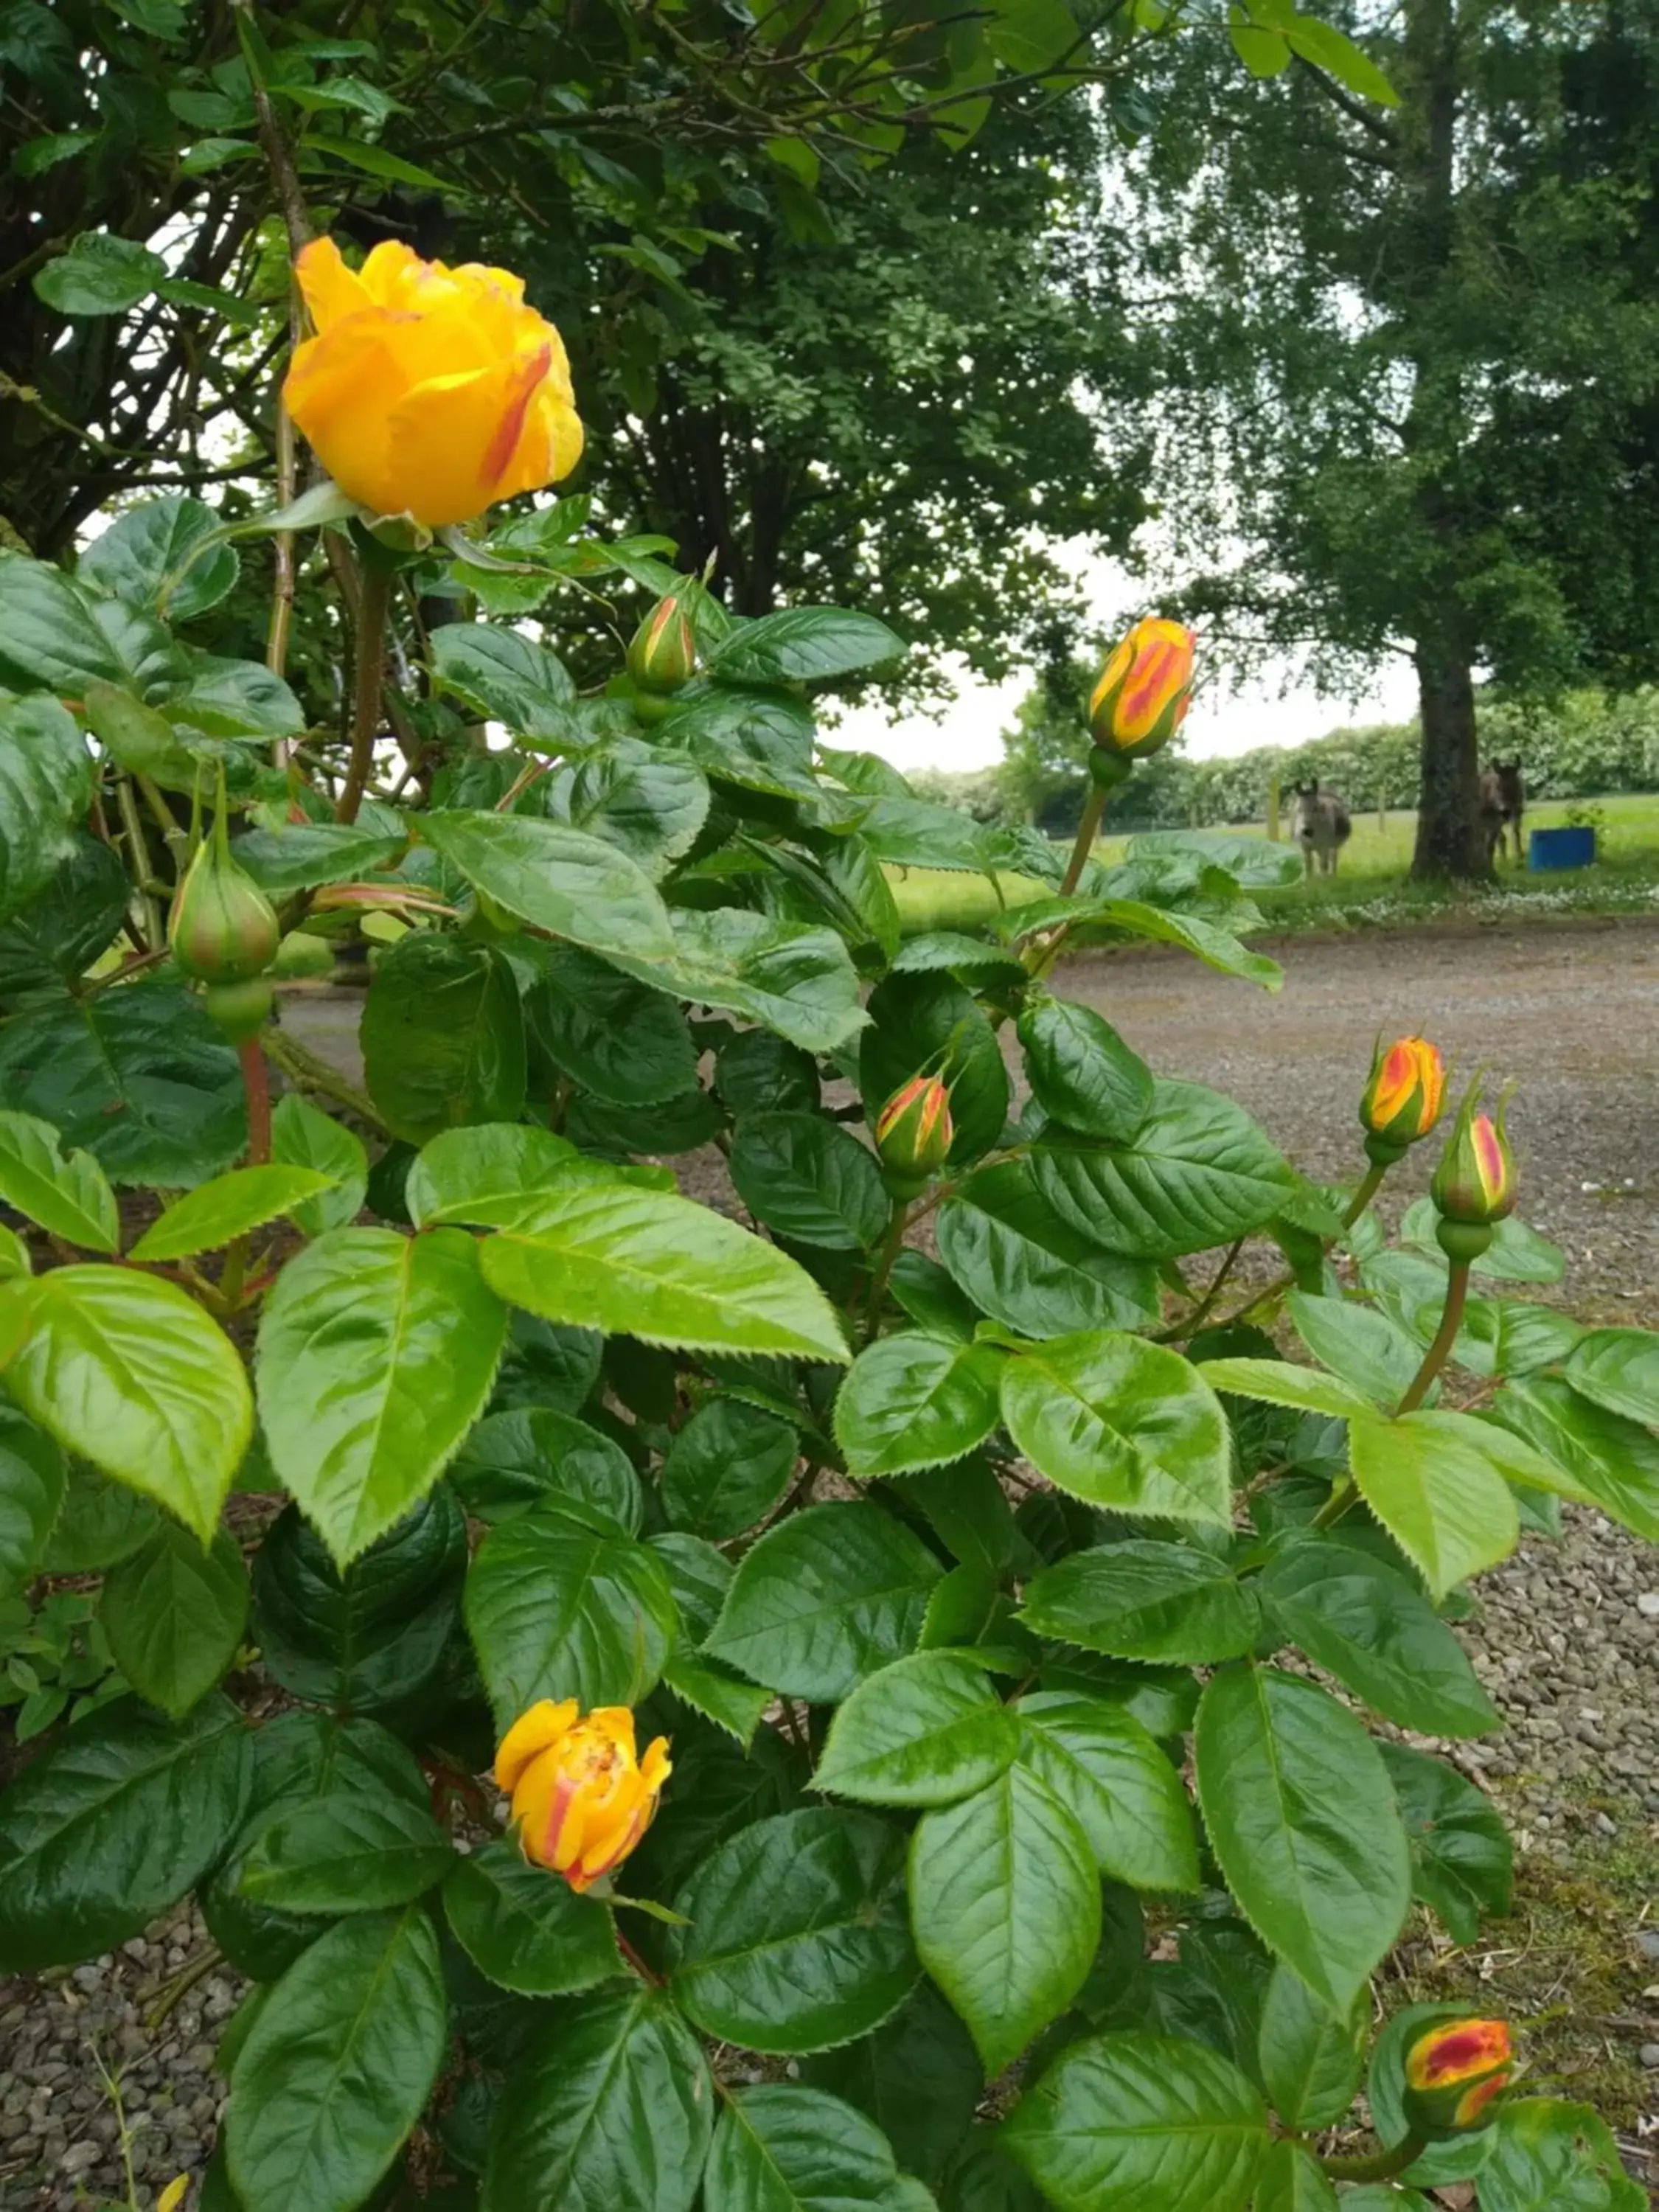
992, 1591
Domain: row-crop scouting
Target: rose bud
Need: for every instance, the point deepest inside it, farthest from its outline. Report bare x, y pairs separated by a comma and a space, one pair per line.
914, 1132
1452, 2072
581, 1799
1473, 1185
662, 654
427, 390
1403, 1098
222, 928
1141, 699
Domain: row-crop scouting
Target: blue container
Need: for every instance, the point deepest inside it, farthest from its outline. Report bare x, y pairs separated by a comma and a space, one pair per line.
1560, 848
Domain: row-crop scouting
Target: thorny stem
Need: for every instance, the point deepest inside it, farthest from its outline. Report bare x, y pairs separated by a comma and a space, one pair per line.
373, 597
1451, 1320
1094, 807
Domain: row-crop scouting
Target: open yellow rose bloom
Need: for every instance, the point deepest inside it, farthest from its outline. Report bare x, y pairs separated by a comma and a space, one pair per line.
429, 391
581, 1796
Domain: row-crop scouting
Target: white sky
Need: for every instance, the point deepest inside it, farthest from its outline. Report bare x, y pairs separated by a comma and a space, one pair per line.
1283, 709
969, 735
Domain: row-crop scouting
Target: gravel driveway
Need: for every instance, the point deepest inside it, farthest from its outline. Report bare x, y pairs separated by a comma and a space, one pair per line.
1567, 1636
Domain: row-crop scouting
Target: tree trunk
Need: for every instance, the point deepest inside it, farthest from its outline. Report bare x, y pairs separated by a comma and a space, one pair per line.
1449, 842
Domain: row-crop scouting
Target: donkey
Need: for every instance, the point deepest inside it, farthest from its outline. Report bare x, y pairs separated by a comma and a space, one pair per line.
1320, 825
1503, 803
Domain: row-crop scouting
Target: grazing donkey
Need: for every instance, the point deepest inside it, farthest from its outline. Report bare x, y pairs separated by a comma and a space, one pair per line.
1503, 803
1320, 826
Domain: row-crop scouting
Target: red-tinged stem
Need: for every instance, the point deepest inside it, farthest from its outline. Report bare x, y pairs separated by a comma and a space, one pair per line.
636, 1962
372, 602
256, 1080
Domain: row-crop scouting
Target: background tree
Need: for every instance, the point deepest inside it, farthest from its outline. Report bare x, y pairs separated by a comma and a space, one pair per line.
1413, 360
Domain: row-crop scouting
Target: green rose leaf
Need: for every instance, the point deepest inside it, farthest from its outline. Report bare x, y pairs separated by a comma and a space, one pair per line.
216, 1213
1293, 2180
1199, 1173
1124, 2121
1005, 1901
1108, 1771
302, 855
338, 2065
911, 1401
826, 1598
727, 1469
1366, 1348
174, 1615
803, 645
1462, 1860
376, 1355
301, 1136
72, 1197
924, 1731
526, 1928
1549, 2156
1311, 2059
1123, 1423
1278, 1382
533, 1456
349, 1848
111, 1826
154, 546
1081, 1071
1438, 1494
1374, 1631
1145, 1601
612, 2106
139, 1077
559, 1604
648, 1264
780, 2148
128, 1371
647, 807
443, 1036
797, 1938
100, 275
612, 1037
798, 981
810, 1179
577, 887
1618, 1368
1589, 1451
1031, 1267
1303, 1819
32, 1491
67, 924
367, 1637
917, 2076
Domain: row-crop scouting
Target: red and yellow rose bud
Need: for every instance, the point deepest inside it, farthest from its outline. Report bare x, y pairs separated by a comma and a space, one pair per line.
1142, 696
1454, 2073
222, 928
1473, 1187
914, 1130
1402, 1100
427, 390
662, 654
582, 1797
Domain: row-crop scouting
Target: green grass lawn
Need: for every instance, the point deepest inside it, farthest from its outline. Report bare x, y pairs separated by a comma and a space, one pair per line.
1372, 889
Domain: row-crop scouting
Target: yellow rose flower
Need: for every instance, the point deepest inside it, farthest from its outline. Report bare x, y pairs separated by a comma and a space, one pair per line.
1141, 699
429, 391
581, 1797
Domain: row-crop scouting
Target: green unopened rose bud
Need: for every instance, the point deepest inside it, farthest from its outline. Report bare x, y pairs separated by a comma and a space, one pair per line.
663, 653
222, 928
240, 1011
914, 1133
1474, 1184
1452, 2074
